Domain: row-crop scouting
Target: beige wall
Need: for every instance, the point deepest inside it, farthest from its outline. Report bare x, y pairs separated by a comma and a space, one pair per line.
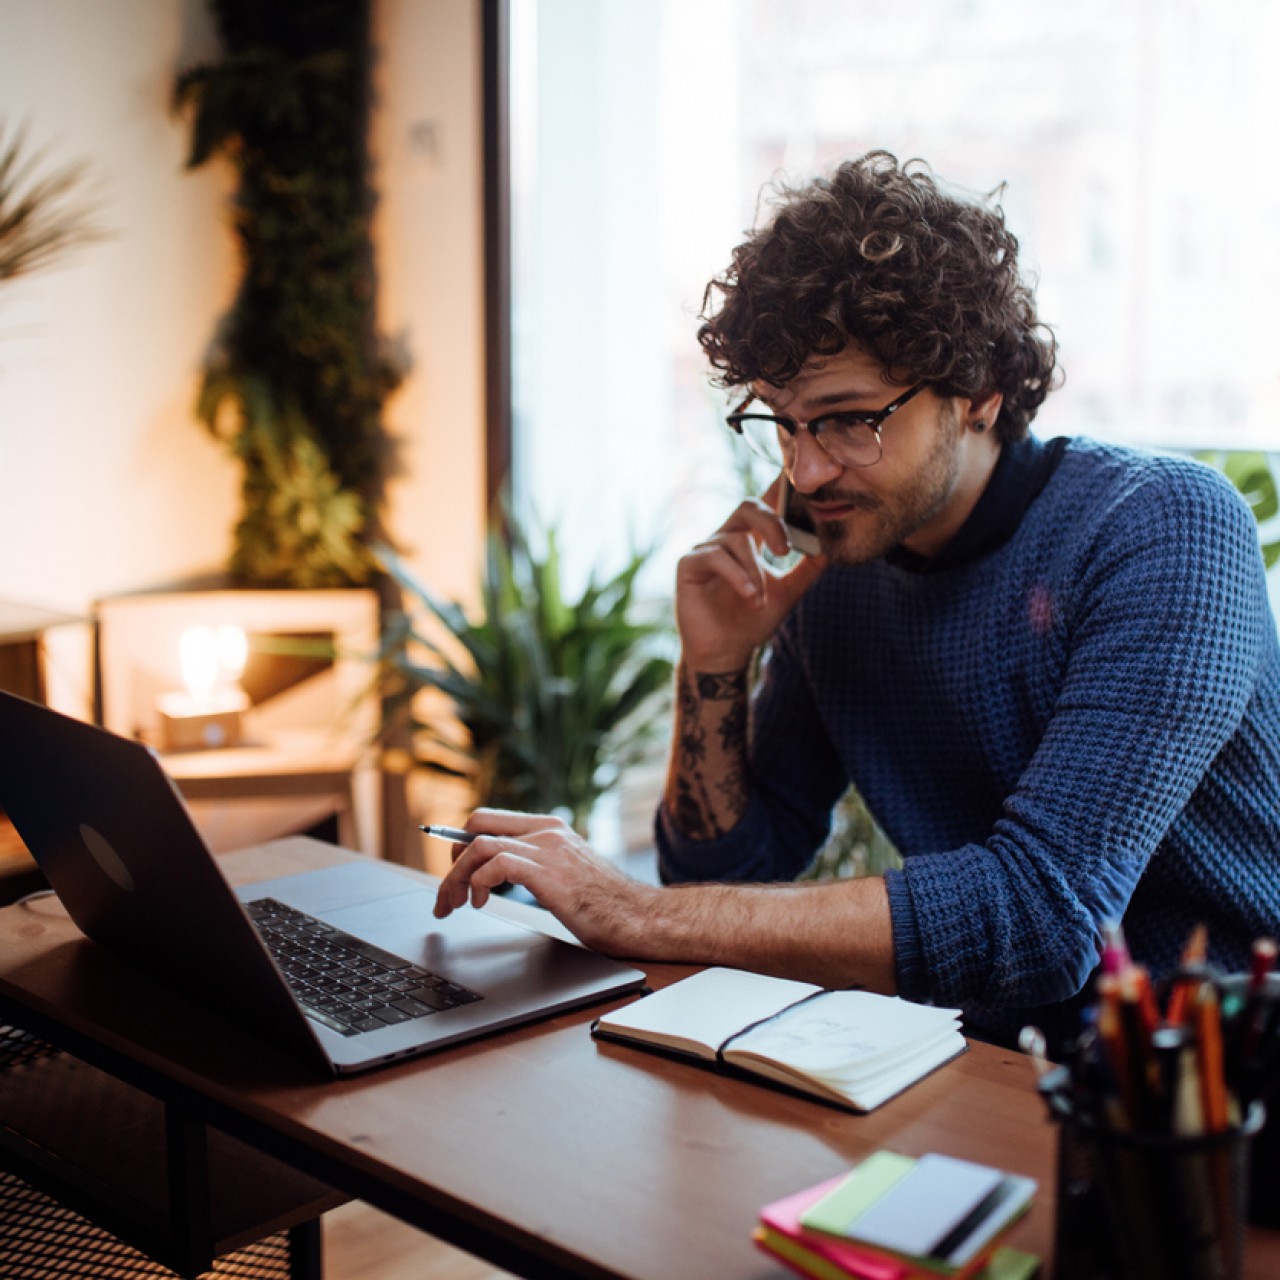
429, 240
107, 483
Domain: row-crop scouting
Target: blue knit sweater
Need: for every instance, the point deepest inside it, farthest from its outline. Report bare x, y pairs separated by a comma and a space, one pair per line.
1080, 725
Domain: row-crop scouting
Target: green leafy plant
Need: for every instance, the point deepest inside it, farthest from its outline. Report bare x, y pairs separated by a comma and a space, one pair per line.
42, 215
855, 845
299, 525
1251, 472
297, 381
556, 696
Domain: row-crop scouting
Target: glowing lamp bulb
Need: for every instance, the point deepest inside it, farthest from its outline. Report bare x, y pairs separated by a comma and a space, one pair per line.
233, 652
207, 714
198, 655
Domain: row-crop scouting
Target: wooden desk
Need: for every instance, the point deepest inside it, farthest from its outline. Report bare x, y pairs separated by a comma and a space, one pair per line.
540, 1150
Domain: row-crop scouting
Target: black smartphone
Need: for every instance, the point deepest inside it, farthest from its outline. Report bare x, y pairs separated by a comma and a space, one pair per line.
801, 530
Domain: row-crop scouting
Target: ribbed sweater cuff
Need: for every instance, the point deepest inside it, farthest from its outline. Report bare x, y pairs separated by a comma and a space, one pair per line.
908, 953
682, 860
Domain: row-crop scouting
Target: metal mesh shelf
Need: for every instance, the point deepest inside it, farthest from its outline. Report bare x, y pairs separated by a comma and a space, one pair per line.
88, 1164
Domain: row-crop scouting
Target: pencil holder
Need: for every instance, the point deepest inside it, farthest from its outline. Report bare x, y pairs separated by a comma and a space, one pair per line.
1264, 1163
1138, 1206
1264, 1167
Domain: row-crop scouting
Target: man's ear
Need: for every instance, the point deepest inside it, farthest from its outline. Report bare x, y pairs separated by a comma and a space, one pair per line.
983, 410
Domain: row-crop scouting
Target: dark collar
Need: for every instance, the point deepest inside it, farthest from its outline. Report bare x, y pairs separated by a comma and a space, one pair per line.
1021, 472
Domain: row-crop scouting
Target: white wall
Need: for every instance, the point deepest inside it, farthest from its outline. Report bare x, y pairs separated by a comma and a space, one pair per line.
428, 234
109, 484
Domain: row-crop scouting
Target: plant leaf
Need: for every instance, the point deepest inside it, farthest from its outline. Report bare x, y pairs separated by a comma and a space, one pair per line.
561, 690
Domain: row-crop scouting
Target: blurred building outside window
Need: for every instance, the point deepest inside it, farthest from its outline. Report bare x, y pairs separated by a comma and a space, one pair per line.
1135, 140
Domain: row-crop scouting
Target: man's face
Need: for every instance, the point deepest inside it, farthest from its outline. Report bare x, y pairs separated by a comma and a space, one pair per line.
912, 496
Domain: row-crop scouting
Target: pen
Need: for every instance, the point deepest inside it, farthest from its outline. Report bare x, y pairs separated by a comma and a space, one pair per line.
1032, 1042
1054, 1082
1124, 1105
456, 834
1136, 1027
1208, 1032
1115, 952
1191, 972
1171, 1047
1257, 1006
1262, 960
1188, 1110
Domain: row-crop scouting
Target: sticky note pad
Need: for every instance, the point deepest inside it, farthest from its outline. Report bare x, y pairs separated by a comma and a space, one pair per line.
906, 1206
925, 1206
840, 1208
936, 1222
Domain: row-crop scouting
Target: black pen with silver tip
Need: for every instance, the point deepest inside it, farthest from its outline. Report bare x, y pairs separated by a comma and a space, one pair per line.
456, 834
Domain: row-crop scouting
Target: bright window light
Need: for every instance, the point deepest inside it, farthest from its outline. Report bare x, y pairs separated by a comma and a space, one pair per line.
1136, 141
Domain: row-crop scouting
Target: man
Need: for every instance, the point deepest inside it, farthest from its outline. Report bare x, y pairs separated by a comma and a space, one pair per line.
1049, 668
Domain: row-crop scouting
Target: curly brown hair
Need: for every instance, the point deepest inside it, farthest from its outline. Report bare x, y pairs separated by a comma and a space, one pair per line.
876, 253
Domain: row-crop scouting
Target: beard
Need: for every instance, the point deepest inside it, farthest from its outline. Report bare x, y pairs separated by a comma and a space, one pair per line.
880, 522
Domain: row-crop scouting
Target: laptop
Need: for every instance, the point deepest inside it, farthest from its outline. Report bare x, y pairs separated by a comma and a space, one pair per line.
344, 967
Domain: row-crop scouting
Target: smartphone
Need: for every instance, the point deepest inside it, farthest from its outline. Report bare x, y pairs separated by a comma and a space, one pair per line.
801, 531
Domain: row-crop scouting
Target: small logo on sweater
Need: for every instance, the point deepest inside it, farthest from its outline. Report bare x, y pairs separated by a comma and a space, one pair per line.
1040, 609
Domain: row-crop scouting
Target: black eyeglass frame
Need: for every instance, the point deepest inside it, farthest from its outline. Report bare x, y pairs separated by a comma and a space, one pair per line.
875, 419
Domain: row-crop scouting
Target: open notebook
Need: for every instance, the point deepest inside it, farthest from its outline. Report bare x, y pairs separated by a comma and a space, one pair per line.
853, 1048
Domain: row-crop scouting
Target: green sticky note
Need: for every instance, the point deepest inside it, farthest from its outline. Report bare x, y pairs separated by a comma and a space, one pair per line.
856, 1193
1010, 1264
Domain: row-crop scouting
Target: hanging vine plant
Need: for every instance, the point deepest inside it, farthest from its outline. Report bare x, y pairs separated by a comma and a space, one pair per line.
297, 380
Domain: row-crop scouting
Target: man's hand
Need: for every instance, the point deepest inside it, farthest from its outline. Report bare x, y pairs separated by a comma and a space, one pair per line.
728, 602
591, 897
836, 934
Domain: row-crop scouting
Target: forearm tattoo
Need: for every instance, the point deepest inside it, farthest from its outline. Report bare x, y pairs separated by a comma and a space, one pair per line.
710, 791
726, 687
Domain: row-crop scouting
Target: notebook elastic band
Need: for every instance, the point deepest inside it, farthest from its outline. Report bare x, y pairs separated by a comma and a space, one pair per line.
759, 1022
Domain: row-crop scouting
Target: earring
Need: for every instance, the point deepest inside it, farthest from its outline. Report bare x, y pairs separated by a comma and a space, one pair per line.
979, 426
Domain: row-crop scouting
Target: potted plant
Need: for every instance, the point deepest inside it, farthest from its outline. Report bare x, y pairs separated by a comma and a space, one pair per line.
41, 217
1251, 472
556, 696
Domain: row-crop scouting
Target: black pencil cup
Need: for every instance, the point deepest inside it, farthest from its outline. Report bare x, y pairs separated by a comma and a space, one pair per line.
1134, 1206
1264, 1171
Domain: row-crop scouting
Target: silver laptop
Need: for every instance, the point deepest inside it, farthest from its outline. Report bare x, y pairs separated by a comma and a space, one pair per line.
344, 967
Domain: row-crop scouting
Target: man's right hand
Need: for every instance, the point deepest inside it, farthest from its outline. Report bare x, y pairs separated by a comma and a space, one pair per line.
728, 601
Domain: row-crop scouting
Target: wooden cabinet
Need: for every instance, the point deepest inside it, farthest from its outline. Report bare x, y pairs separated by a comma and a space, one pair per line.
22, 671
306, 750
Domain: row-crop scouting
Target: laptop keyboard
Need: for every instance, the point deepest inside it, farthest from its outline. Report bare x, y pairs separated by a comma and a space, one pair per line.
342, 981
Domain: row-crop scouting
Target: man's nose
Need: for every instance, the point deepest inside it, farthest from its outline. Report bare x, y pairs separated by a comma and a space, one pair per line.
811, 465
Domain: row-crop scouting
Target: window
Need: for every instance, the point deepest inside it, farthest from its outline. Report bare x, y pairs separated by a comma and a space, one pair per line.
1136, 141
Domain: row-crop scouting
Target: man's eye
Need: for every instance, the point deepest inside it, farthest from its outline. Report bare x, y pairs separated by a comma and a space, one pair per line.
845, 421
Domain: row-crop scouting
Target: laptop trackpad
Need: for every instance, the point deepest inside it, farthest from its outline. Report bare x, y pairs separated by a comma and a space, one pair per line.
494, 957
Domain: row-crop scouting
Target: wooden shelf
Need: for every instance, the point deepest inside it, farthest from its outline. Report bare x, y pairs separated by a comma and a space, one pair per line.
28, 622
300, 754
284, 784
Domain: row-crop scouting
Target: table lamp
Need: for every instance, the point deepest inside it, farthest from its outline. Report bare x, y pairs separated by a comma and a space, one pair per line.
208, 712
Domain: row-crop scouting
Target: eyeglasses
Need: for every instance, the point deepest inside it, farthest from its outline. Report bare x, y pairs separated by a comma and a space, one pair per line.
851, 439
